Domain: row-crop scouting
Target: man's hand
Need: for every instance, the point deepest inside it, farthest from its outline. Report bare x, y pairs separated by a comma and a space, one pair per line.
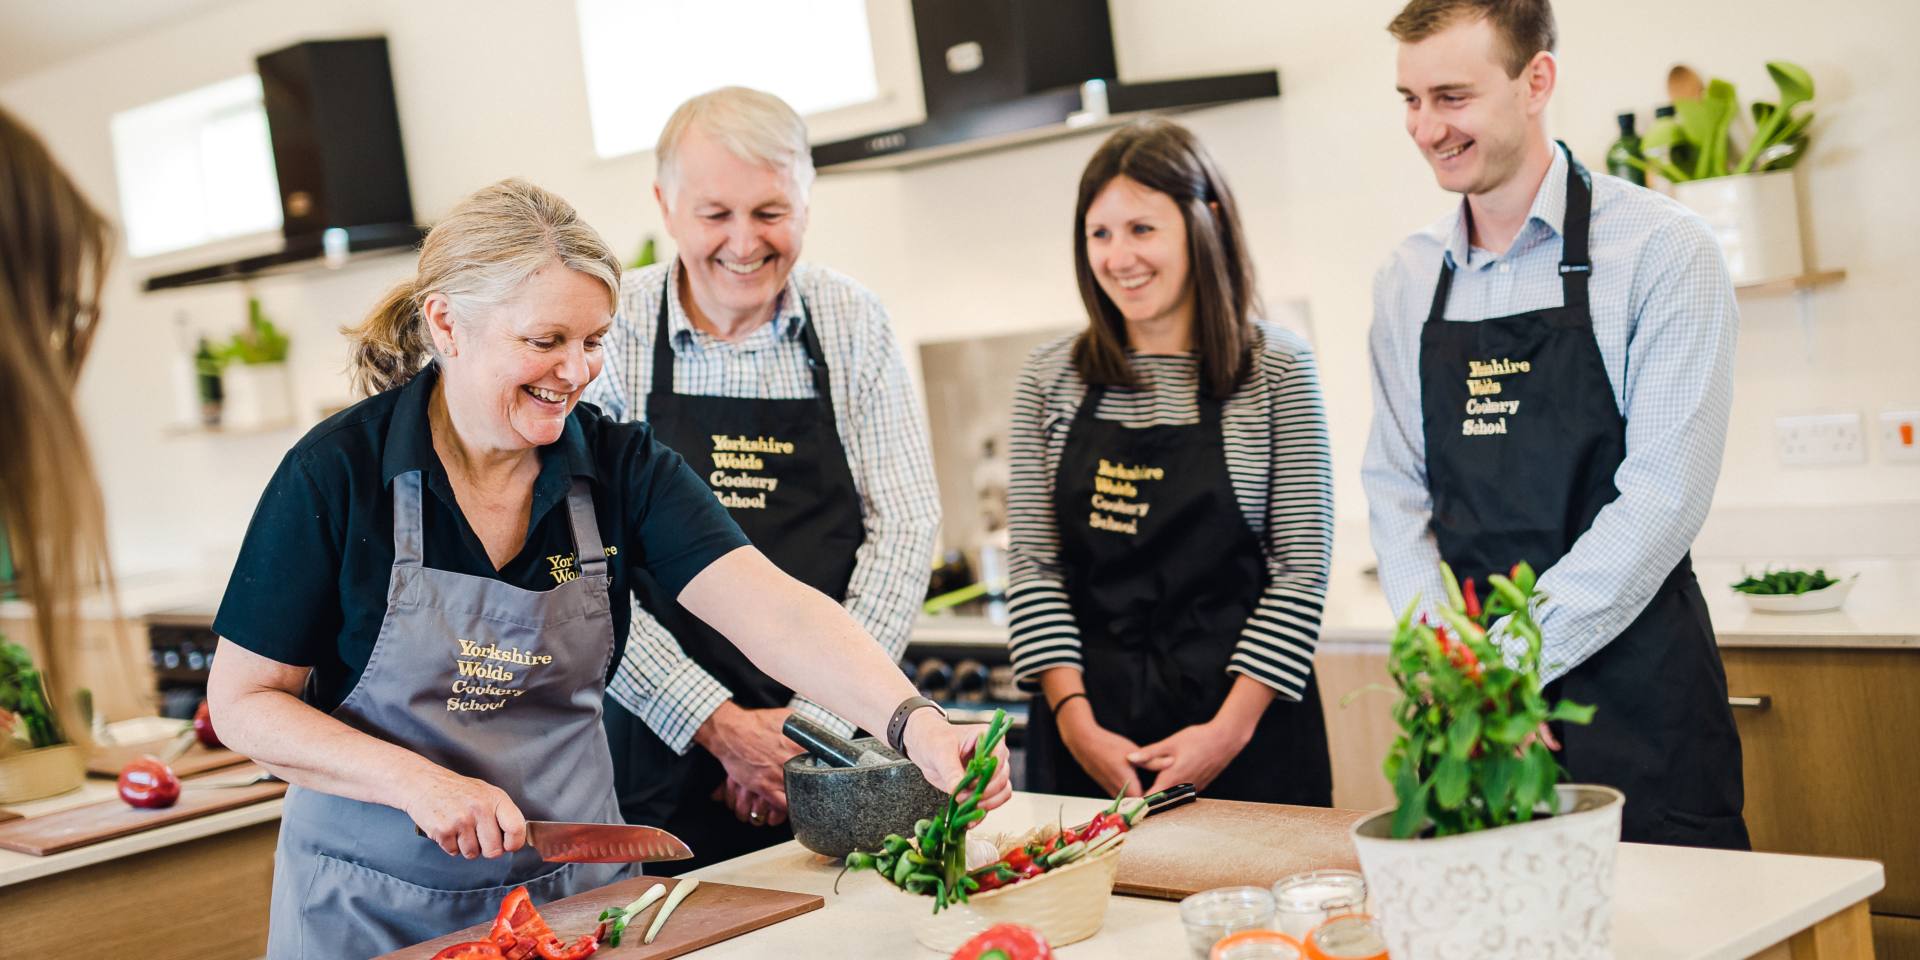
751, 747
942, 751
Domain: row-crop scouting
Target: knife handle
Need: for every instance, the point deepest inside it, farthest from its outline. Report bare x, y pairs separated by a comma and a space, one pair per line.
821, 742
1171, 797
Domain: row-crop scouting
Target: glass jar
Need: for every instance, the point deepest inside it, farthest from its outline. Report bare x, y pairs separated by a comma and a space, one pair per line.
1354, 936
1212, 914
1256, 945
1306, 900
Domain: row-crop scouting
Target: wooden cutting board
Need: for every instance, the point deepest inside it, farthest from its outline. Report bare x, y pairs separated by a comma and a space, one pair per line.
710, 914
108, 761
79, 826
1223, 843
6, 815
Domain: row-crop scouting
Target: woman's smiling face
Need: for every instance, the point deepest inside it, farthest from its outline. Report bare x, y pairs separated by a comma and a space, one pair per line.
513, 371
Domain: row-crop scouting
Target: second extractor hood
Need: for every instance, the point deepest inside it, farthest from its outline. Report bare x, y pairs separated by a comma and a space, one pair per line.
999, 73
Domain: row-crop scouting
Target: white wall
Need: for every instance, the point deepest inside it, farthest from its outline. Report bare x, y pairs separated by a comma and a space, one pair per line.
1325, 177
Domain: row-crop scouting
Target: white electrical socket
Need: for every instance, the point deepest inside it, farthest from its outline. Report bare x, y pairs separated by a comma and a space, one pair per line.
1900, 436
1820, 440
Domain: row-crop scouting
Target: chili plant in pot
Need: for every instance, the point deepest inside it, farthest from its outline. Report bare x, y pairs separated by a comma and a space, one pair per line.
1486, 853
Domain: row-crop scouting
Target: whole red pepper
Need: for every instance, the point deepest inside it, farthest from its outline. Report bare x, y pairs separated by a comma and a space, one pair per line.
1006, 941
149, 784
1473, 600
203, 727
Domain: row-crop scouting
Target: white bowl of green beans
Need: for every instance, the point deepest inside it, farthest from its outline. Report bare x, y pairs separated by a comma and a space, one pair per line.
1794, 590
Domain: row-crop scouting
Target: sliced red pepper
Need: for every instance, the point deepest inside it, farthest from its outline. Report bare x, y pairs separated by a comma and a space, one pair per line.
471, 950
518, 927
551, 948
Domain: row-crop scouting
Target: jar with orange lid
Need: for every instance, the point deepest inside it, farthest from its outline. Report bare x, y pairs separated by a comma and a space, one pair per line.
1354, 936
1256, 945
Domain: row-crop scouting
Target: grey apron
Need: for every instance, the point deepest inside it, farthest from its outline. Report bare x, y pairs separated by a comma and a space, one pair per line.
490, 681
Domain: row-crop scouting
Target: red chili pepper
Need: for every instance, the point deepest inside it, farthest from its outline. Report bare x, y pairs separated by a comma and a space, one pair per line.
471, 950
149, 784
1005, 941
1473, 602
1019, 858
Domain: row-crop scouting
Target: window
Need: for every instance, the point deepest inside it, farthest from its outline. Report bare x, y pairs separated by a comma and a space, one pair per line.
644, 57
195, 168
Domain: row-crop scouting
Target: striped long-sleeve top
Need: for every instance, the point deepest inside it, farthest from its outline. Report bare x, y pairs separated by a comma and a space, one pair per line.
1275, 437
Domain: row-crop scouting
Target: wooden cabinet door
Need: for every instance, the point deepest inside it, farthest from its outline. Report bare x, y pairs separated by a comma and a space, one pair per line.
1833, 759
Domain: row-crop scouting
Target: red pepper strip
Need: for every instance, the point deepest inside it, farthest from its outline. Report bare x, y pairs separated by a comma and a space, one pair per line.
471, 950
1473, 601
552, 949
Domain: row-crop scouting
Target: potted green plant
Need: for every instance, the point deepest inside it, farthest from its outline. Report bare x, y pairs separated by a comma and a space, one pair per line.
1747, 195
258, 392
1486, 853
35, 759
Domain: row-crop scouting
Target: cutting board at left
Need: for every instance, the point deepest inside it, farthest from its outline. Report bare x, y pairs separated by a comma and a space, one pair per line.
79, 826
710, 914
108, 761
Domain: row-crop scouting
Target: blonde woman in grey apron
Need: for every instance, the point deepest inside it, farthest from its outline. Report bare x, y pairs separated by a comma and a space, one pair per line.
418, 630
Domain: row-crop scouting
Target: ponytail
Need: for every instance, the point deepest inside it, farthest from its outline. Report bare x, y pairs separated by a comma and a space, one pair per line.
391, 345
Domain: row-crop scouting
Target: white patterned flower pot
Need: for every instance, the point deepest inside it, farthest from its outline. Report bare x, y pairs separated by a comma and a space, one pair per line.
1541, 890
1756, 218
256, 395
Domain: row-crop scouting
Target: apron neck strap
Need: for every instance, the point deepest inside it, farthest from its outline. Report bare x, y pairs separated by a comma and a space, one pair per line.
810, 341
586, 530
408, 527
1575, 265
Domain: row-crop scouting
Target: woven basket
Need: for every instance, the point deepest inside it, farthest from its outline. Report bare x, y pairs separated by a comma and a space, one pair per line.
1066, 905
32, 774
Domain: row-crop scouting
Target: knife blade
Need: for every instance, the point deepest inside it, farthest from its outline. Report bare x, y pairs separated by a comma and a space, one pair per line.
562, 842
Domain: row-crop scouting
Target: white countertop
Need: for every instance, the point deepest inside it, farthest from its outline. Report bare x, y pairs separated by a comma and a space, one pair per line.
1882, 611
1671, 903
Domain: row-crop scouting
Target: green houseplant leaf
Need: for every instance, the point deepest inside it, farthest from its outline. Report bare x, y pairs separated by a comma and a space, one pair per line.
1796, 88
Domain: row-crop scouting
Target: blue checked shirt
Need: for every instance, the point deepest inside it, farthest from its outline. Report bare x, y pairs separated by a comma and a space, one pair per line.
1665, 319
881, 426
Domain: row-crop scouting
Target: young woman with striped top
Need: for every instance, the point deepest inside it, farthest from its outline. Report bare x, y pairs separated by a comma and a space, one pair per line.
1171, 504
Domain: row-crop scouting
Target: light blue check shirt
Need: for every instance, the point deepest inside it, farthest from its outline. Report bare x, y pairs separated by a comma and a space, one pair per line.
881, 427
1666, 321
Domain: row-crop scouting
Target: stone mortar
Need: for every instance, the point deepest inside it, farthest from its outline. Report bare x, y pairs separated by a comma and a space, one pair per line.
836, 810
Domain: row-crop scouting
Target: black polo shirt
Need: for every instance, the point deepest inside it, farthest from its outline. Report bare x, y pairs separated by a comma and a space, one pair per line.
310, 587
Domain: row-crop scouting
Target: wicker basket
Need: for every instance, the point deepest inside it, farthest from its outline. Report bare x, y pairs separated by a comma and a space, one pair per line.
1066, 905
32, 774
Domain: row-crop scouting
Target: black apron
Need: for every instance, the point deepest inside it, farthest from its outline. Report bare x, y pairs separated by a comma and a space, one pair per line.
779, 468
1162, 573
1523, 439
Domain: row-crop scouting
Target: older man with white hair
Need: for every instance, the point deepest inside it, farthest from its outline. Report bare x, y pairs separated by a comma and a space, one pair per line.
784, 386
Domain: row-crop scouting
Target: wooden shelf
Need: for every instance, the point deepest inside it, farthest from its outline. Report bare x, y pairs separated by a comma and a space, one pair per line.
1793, 284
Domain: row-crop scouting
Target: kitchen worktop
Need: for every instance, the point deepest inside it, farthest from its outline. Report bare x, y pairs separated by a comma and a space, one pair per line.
21, 867
1671, 903
1882, 611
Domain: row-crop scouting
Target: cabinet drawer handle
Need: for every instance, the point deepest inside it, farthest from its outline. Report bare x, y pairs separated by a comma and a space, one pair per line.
1760, 702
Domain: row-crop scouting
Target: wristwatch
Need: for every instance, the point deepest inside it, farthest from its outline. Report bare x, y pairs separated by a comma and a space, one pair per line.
897, 726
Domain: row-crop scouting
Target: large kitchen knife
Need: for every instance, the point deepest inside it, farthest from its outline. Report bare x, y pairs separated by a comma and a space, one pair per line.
559, 841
